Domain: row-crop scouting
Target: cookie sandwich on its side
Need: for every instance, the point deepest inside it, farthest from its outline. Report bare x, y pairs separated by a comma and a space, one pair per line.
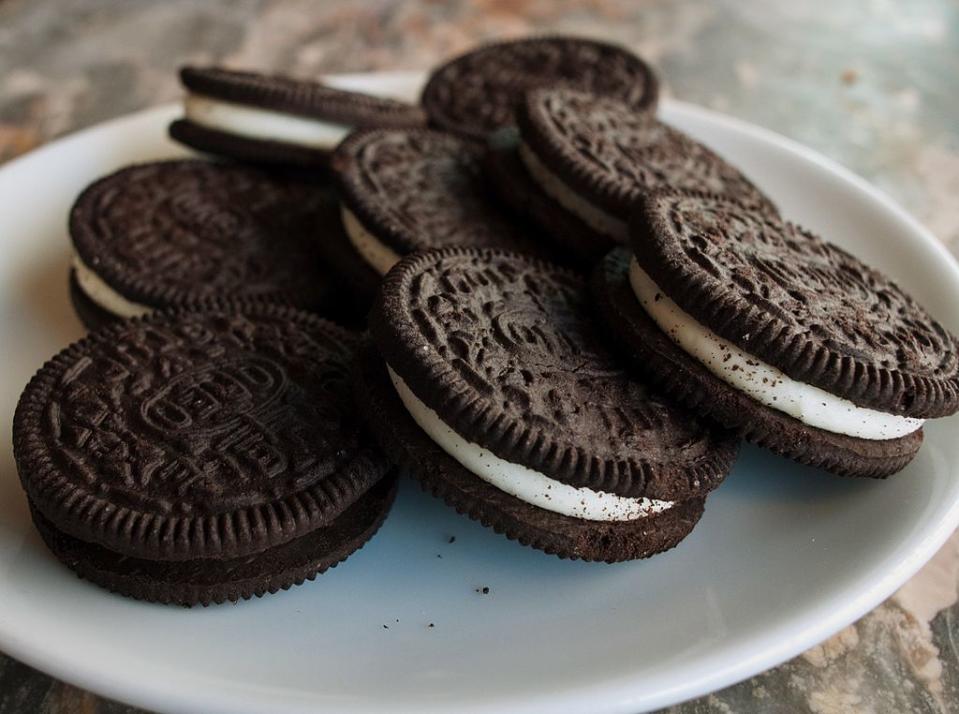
405, 191
776, 333
173, 233
277, 120
579, 162
491, 386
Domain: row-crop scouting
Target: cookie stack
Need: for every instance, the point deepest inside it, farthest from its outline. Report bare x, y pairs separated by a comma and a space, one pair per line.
575, 312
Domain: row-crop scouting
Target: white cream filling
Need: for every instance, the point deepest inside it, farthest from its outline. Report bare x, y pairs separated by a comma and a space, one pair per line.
593, 216
519, 481
265, 124
380, 256
94, 287
763, 382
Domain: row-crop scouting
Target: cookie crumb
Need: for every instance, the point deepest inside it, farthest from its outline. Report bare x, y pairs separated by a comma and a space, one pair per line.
430, 625
452, 539
484, 590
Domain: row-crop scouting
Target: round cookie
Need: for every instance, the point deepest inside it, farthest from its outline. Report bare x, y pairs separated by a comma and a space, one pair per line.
196, 456
404, 191
592, 157
771, 330
273, 119
475, 94
496, 393
173, 233
444, 477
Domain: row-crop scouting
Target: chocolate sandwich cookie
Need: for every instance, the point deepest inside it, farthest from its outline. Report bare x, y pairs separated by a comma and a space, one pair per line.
592, 157
404, 191
776, 333
173, 233
277, 120
201, 456
492, 388
475, 94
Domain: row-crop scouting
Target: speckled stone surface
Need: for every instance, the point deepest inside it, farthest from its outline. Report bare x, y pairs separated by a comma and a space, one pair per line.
870, 83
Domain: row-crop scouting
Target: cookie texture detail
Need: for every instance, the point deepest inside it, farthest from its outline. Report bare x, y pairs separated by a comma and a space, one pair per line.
798, 302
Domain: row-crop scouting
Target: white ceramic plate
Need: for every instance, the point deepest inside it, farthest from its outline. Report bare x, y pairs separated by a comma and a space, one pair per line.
783, 557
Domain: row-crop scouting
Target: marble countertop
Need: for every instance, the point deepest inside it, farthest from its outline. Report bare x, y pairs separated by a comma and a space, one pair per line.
870, 83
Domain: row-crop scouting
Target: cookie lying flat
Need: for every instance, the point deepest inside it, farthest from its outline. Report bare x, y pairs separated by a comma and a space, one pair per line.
196, 457
592, 157
475, 94
404, 191
494, 391
172, 233
775, 332
277, 120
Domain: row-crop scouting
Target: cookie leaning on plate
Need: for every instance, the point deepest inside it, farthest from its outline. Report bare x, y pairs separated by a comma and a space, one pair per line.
273, 119
172, 233
404, 191
772, 331
590, 158
474, 94
493, 389
197, 457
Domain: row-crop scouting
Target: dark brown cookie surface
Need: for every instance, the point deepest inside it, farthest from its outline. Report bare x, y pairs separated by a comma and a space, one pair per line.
210, 581
504, 348
611, 154
798, 303
176, 232
189, 435
444, 477
655, 355
299, 96
475, 93
416, 190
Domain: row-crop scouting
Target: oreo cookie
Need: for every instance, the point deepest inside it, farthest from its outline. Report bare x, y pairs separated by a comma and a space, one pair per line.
274, 119
591, 157
475, 94
173, 233
405, 191
201, 456
492, 388
778, 334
